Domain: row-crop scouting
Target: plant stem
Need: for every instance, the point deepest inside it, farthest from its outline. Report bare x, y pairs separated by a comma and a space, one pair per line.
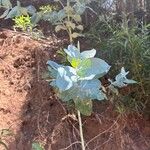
81, 130
69, 29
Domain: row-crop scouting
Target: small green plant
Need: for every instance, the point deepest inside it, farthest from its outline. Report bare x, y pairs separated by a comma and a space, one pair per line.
47, 8
67, 19
37, 146
23, 23
80, 81
70, 22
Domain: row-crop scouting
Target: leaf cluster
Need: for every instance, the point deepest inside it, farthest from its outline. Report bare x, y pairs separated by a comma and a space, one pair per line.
80, 81
12, 12
23, 23
68, 18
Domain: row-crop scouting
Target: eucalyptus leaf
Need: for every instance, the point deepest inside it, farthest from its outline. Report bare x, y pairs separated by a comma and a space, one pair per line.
61, 15
13, 13
5, 3
72, 51
31, 9
79, 27
90, 89
5, 13
121, 79
37, 146
35, 18
66, 77
75, 35
16, 11
79, 8
60, 27
84, 106
86, 89
98, 68
52, 72
53, 64
88, 54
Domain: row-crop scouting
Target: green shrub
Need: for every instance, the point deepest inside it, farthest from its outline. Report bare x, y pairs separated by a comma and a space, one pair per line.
23, 23
129, 46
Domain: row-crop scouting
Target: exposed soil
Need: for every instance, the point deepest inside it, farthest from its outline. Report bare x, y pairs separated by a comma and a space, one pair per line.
30, 109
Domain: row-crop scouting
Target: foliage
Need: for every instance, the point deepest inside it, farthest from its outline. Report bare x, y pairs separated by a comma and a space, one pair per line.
36, 146
16, 11
47, 8
129, 44
68, 18
79, 82
23, 23
6, 4
102, 30
121, 79
131, 48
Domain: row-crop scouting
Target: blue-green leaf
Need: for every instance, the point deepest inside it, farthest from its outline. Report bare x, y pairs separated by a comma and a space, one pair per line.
79, 8
17, 11
121, 79
97, 68
88, 54
53, 64
52, 72
89, 89
31, 9
35, 18
6, 3
73, 52
37, 146
66, 78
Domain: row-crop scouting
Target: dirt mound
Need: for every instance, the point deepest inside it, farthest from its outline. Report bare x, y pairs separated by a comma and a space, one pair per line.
30, 109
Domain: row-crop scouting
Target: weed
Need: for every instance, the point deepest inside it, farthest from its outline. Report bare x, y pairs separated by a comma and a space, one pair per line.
130, 46
23, 23
48, 8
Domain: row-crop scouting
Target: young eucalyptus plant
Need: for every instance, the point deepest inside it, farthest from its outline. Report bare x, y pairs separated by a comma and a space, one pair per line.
80, 81
67, 19
70, 22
